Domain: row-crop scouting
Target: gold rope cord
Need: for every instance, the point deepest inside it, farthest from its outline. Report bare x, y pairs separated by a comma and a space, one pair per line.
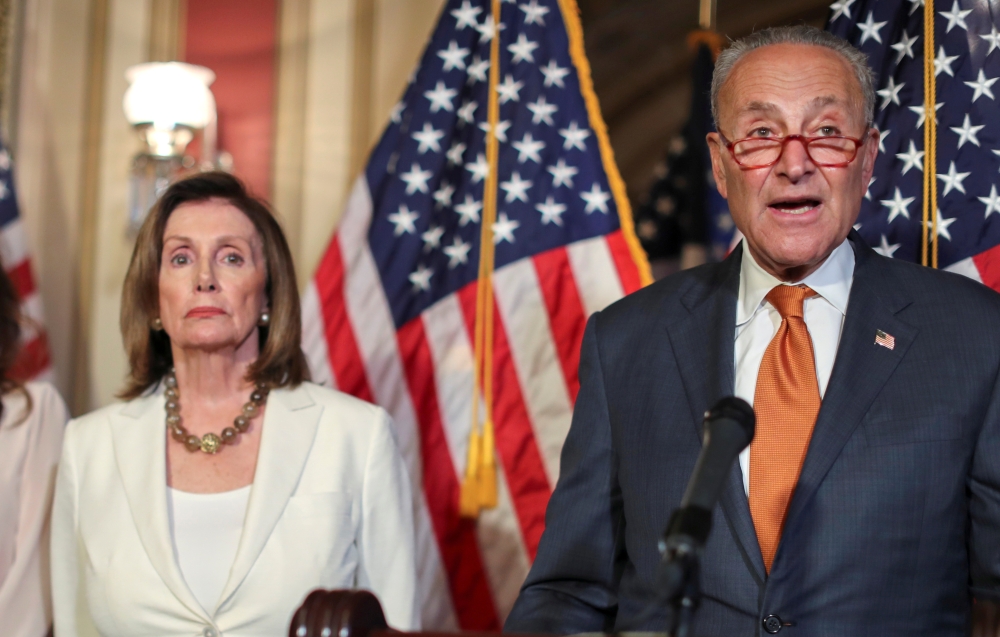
577, 53
479, 488
930, 207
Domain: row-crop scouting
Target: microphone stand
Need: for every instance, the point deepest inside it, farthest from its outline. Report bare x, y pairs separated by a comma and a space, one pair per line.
679, 577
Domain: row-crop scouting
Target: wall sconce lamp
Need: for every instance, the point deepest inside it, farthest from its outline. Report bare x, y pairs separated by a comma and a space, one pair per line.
168, 104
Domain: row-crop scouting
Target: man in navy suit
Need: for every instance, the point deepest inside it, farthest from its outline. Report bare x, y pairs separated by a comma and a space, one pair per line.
892, 522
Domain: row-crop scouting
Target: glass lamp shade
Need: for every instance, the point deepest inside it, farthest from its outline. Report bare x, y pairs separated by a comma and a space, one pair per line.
165, 98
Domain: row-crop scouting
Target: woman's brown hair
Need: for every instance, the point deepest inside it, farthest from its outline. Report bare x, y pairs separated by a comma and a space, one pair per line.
280, 362
10, 342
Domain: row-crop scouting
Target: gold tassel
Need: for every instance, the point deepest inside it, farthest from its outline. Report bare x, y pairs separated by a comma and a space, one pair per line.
487, 469
468, 503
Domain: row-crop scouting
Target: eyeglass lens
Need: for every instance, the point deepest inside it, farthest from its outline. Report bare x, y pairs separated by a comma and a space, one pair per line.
822, 151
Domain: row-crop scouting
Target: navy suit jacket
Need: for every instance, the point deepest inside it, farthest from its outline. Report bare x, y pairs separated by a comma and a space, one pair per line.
895, 523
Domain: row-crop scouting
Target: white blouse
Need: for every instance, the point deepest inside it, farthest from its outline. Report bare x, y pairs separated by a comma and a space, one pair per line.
205, 529
29, 454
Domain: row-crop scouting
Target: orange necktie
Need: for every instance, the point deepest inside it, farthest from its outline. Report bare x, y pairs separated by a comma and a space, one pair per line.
786, 403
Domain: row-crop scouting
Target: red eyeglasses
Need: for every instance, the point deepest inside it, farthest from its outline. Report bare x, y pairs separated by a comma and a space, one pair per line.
829, 151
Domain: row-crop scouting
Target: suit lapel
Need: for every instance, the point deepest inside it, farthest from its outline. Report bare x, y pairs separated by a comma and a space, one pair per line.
290, 422
873, 305
139, 438
703, 344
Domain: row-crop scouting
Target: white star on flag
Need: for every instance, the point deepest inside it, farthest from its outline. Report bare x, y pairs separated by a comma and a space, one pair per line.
554, 74
516, 188
440, 98
967, 132
416, 179
574, 136
898, 206
509, 89
421, 279
596, 199
883, 135
943, 62
479, 169
501, 129
466, 15
915, 4
956, 17
528, 148
551, 211
870, 28
562, 175
535, 14
453, 56
942, 225
477, 70
953, 180
457, 253
841, 8
428, 138
904, 48
890, 94
467, 112
487, 30
982, 86
455, 153
503, 229
468, 211
919, 110
868, 190
443, 195
542, 111
432, 238
523, 50
885, 249
404, 220
911, 158
397, 112
992, 202
993, 37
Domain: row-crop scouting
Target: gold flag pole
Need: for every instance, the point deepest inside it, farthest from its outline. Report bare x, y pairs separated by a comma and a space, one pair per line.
706, 15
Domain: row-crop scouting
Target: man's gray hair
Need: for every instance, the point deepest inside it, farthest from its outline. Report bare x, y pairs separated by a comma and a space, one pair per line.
799, 34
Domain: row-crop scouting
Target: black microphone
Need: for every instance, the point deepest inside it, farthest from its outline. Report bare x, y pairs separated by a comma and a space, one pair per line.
728, 429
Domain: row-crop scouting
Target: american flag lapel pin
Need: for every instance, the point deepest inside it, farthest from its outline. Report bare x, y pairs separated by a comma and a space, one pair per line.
887, 341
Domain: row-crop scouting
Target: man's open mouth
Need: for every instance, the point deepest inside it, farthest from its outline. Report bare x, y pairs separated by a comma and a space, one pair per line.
795, 206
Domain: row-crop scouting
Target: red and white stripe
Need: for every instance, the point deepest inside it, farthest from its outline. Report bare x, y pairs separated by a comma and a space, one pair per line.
983, 267
34, 361
469, 571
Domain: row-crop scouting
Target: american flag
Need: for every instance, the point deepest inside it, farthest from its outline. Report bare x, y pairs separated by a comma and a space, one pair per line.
966, 66
390, 313
34, 361
887, 341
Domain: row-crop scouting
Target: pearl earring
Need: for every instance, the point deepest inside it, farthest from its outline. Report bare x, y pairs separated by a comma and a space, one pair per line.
265, 319
158, 324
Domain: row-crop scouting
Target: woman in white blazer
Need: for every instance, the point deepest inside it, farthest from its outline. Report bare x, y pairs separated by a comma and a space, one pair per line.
32, 418
226, 487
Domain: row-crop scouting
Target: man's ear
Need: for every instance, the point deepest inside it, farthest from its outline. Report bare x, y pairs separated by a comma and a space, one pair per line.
715, 149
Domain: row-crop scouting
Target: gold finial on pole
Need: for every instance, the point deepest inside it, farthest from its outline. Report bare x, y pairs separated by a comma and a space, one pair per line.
706, 15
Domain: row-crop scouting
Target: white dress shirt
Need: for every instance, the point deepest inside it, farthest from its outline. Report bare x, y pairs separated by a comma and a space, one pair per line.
757, 321
205, 529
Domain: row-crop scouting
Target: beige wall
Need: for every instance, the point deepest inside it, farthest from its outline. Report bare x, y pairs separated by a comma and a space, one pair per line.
328, 116
48, 155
